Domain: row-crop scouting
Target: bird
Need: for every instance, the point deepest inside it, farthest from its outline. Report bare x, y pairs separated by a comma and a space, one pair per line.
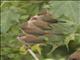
45, 15
30, 39
48, 18
75, 56
30, 28
37, 21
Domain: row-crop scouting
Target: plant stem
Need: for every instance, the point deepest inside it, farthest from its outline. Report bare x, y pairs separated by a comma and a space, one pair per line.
33, 54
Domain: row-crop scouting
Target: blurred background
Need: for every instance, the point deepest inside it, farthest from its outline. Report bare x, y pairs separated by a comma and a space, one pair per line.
14, 13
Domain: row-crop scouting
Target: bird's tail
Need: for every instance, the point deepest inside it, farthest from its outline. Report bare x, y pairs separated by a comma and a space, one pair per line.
55, 33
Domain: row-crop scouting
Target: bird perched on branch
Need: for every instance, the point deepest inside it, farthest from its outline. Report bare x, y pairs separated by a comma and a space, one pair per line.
30, 39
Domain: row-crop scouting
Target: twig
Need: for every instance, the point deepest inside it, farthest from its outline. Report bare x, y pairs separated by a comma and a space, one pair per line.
33, 54
51, 50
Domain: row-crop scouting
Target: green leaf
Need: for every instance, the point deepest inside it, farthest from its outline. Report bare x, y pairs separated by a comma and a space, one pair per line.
70, 9
36, 48
9, 17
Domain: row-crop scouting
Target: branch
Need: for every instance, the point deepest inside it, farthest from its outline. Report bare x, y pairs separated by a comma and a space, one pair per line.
33, 54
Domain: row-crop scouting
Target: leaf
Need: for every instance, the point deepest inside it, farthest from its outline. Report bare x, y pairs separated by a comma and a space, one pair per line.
23, 50
36, 48
69, 9
9, 17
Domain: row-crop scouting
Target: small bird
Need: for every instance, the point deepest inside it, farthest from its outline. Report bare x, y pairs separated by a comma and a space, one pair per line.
50, 19
30, 28
47, 16
37, 21
75, 56
30, 39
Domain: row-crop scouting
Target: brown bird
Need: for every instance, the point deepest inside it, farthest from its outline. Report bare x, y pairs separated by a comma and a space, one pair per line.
30, 39
30, 28
75, 56
50, 19
37, 21
47, 16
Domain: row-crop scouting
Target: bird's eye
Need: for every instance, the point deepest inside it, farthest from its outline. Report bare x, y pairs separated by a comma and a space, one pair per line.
20, 35
34, 18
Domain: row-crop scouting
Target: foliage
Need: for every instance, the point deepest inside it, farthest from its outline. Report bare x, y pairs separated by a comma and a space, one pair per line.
58, 46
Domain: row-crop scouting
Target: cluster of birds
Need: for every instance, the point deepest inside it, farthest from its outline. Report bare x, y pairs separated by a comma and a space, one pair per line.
40, 25
37, 26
